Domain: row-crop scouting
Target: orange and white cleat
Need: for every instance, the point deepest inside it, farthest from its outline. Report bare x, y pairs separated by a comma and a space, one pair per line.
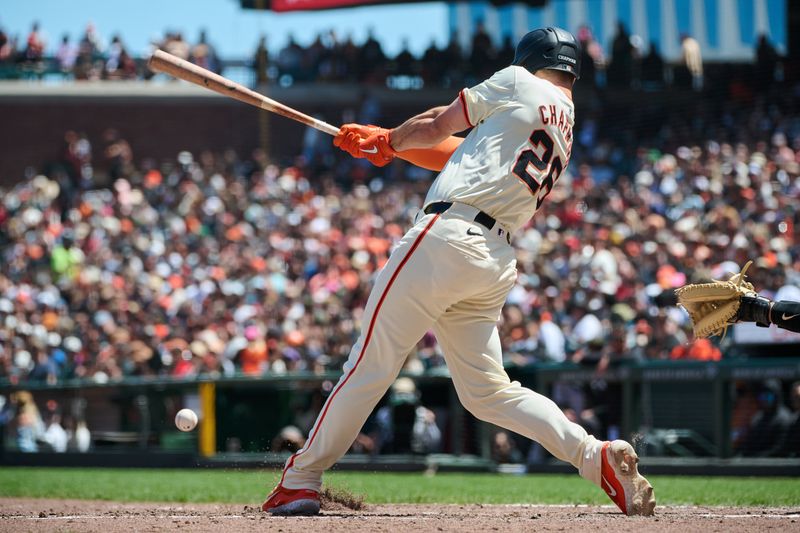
621, 480
292, 502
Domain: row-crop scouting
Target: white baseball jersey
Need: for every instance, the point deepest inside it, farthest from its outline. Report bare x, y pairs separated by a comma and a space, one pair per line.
521, 143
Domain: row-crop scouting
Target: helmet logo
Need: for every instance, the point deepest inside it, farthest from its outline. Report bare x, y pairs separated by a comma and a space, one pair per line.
567, 59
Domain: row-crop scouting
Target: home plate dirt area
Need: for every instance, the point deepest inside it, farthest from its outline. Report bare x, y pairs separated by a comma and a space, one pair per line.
81, 515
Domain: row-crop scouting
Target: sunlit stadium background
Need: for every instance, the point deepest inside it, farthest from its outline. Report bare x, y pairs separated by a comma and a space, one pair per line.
164, 247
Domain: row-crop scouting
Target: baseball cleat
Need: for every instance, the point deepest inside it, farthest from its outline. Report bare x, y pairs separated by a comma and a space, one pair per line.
621, 480
292, 502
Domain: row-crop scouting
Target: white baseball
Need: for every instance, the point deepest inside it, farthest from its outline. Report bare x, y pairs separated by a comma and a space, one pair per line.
186, 420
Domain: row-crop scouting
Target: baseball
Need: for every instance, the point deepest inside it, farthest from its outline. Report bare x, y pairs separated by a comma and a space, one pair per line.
186, 420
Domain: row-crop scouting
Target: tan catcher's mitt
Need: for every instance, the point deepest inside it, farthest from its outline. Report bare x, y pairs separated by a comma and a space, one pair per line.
713, 306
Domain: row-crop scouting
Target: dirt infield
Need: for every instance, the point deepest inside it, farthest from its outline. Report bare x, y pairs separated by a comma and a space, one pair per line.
79, 515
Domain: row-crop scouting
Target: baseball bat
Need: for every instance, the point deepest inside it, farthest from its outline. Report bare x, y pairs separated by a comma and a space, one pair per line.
167, 63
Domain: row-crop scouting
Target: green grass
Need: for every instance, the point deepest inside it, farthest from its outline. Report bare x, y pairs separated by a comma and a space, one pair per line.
230, 486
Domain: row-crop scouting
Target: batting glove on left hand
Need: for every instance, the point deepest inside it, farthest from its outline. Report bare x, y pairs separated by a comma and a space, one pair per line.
377, 149
351, 134
365, 142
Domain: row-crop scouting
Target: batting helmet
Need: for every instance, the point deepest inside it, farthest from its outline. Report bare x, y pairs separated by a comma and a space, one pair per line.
551, 48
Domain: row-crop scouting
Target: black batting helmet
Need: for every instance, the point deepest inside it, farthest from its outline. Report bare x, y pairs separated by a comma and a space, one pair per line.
551, 48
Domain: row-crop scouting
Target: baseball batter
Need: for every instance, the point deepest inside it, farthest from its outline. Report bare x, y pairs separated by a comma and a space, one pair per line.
453, 269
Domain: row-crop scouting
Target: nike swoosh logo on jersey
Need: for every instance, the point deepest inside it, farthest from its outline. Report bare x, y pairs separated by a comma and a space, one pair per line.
610, 490
471, 231
784, 316
373, 151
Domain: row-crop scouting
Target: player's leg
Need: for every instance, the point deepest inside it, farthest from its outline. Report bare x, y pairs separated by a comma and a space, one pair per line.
413, 289
471, 344
472, 350
395, 318
784, 314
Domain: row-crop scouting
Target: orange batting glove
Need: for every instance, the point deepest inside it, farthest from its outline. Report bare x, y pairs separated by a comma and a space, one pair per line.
377, 148
435, 158
351, 134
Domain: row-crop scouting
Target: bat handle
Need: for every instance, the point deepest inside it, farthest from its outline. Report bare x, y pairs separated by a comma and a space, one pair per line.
323, 126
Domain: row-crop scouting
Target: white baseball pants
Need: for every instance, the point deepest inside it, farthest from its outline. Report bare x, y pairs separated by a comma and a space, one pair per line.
452, 275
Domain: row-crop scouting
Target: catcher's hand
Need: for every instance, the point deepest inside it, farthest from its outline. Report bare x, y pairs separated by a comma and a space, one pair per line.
714, 306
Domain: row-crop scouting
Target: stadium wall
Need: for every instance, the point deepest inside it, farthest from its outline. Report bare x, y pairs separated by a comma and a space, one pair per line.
159, 120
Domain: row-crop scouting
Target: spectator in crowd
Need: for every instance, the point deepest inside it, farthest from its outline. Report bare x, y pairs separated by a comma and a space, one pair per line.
203, 54
89, 64
81, 438
119, 65
592, 59
770, 425
652, 69
791, 444
404, 425
505, 55
432, 65
290, 60
405, 62
745, 407
766, 60
692, 61
455, 66
371, 61
290, 439
91, 42
638, 53
699, 350
254, 356
261, 61
66, 55
30, 427
34, 45
175, 45
55, 436
7, 47
621, 67
114, 52
482, 55
504, 449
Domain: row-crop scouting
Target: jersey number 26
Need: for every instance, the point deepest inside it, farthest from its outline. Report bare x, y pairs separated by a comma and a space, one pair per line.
528, 158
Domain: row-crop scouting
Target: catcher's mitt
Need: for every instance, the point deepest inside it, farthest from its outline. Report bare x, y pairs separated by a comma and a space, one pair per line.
713, 306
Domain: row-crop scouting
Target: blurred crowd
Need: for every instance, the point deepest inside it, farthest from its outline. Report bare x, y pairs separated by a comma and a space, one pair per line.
218, 264
214, 263
91, 57
629, 61
206, 265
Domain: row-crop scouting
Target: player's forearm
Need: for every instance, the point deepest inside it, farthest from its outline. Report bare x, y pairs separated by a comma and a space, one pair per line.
421, 131
786, 315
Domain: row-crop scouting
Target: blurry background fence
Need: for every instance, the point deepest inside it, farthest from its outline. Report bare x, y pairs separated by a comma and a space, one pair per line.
680, 410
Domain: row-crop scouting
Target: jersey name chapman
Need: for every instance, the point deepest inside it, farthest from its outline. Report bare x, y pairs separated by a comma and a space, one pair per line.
556, 116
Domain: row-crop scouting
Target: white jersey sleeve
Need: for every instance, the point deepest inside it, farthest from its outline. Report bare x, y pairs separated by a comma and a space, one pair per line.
483, 99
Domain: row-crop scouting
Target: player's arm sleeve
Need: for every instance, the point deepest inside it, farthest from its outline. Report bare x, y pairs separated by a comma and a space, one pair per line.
786, 315
432, 158
482, 100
